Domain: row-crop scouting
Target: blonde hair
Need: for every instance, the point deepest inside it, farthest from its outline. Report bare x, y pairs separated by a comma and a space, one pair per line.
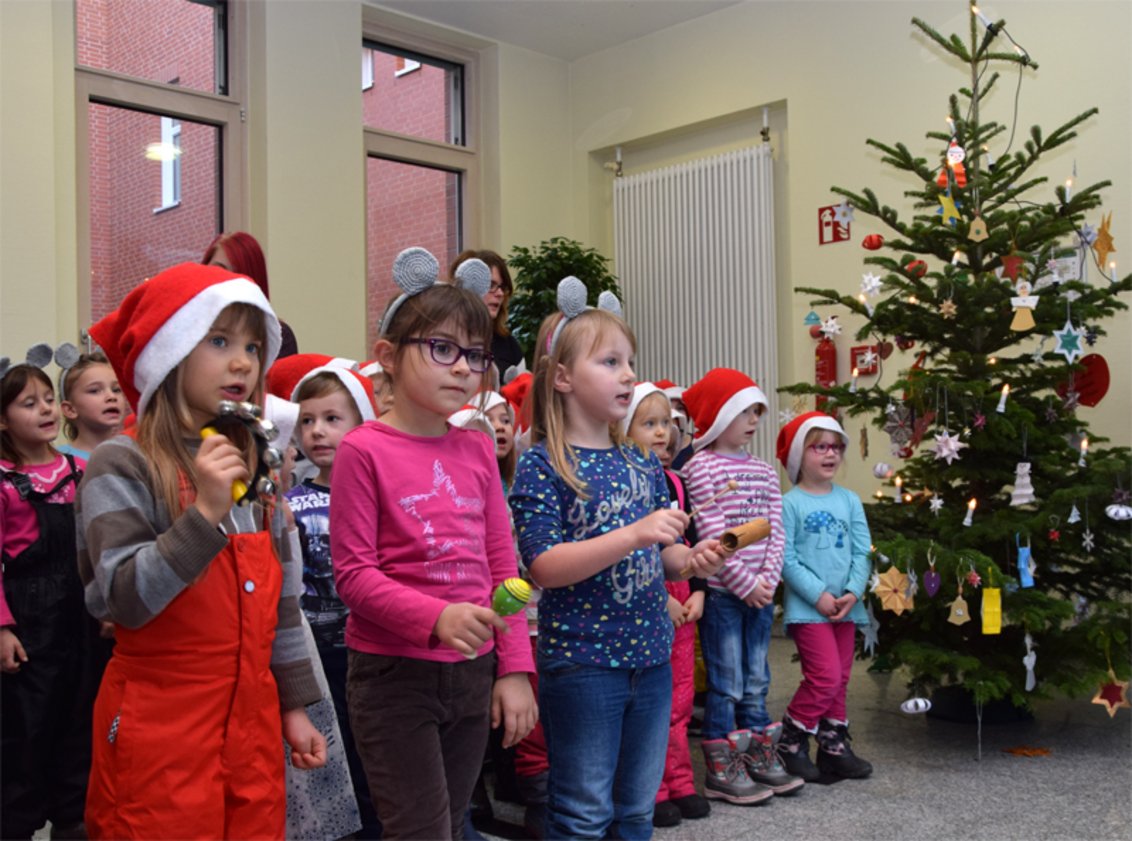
162, 429
652, 397
548, 407
69, 378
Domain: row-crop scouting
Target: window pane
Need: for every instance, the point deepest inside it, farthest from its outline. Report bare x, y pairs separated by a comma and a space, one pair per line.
175, 42
154, 197
412, 94
406, 206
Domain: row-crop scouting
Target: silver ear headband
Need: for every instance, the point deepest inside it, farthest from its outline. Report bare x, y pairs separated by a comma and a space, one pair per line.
572, 303
41, 355
416, 270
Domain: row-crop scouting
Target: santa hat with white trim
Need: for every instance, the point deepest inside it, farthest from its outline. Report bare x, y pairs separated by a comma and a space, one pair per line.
287, 376
476, 411
674, 392
162, 320
717, 399
640, 392
791, 443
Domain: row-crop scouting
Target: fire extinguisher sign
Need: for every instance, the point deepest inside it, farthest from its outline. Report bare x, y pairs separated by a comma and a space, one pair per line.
829, 229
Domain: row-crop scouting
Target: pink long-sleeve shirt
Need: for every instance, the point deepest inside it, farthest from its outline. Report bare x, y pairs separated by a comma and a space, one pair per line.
758, 495
418, 523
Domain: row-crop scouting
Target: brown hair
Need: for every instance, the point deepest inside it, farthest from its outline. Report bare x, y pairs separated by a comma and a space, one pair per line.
324, 384
494, 261
548, 409
12, 384
162, 429
438, 305
70, 377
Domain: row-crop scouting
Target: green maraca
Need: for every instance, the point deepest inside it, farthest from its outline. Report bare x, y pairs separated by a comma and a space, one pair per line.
510, 596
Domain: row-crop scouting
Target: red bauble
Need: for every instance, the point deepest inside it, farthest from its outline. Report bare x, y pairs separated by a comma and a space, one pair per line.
1091, 384
872, 242
904, 343
916, 268
815, 331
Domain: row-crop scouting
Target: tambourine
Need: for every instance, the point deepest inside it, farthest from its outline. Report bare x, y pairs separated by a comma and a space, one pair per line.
232, 415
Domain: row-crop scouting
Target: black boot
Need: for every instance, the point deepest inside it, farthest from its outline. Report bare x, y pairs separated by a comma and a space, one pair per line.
794, 751
835, 757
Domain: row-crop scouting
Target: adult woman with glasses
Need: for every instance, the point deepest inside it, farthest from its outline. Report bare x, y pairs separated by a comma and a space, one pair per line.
504, 347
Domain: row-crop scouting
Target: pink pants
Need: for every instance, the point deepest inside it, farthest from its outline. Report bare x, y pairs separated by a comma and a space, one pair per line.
678, 780
826, 651
530, 753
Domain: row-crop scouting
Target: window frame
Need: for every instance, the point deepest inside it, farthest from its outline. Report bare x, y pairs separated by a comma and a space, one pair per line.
463, 160
225, 112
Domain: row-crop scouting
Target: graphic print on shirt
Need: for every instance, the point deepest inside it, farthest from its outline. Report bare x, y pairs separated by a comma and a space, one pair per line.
640, 568
437, 505
826, 527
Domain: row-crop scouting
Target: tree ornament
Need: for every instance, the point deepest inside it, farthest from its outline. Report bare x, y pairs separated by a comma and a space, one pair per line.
870, 284
1054, 533
882, 470
916, 268
947, 447
873, 242
843, 213
812, 319
1113, 695
1087, 540
1012, 265
978, 230
1074, 515
1023, 493
992, 610
953, 162
916, 706
1069, 341
891, 589
1091, 336
1090, 384
960, 614
1023, 304
899, 425
1029, 661
948, 209
936, 504
979, 420
869, 644
1118, 512
932, 579
864, 442
1026, 565
973, 578
831, 327
948, 309
1103, 244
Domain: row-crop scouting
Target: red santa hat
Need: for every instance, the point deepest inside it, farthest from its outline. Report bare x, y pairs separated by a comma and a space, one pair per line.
674, 392
516, 392
792, 439
371, 368
476, 411
288, 374
640, 392
162, 320
718, 399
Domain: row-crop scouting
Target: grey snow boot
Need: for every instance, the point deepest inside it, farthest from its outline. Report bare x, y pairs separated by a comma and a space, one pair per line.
726, 777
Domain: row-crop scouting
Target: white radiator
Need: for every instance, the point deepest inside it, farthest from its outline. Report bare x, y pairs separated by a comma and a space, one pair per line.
694, 253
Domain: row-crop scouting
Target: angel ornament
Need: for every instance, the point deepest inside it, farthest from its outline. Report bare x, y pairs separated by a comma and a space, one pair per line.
1023, 304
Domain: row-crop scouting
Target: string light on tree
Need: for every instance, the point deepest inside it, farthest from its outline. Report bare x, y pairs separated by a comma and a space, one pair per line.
1001, 407
971, 504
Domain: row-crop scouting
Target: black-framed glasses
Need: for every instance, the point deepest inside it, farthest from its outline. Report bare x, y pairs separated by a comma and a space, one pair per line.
447, 352
822, 448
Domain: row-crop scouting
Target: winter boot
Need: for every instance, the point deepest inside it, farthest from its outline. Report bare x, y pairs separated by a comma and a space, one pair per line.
727, 778
763, 764
666, 813
692, 806
834, 754
794, 752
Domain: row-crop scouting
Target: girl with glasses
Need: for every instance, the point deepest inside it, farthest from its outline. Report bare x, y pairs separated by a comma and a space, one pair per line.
419, 537
825, 570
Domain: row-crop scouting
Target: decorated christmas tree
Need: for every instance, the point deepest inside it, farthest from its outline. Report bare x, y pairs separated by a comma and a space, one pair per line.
1003, 544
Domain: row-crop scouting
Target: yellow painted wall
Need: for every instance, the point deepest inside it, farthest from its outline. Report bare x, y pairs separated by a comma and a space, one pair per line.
834, 74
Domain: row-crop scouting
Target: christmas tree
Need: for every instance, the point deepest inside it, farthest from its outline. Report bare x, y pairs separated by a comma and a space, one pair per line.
1003, 546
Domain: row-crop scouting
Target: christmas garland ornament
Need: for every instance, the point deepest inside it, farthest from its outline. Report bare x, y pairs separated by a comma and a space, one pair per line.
973, 577
1012, 266
947, 447
1103, 243
1054, 532
916, 706
953, 162
1023, 493
932, 579
870, 285
948, 209
1023, 304
1074, 515
948, 309
891, 588
1069, 341
992, 610
936, 504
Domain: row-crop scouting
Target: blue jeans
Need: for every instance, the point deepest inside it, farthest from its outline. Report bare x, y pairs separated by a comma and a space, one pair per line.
734, 638
606, 737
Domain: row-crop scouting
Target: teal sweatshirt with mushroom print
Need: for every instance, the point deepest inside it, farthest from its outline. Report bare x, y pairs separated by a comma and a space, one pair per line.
827, 551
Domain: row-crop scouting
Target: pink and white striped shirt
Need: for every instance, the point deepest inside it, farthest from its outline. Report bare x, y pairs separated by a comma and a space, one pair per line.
758, 495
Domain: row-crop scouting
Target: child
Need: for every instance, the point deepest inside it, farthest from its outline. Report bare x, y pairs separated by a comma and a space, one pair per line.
381, 391
332, 399
47, 690
598, 536
92, 404
208, 645
419, 537
491, 412
726, 406
649, 425
825, 571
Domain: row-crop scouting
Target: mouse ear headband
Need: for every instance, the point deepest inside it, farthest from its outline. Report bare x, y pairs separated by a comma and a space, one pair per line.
572, 303
416, 270
41, 355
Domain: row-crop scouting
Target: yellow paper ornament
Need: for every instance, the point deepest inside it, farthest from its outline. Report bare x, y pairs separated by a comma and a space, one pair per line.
992, 610
891, 588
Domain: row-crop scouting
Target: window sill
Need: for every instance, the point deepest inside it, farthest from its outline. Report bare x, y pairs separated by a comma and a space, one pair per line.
166, 207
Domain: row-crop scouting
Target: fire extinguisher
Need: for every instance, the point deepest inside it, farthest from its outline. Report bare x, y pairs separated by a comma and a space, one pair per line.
825, 368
